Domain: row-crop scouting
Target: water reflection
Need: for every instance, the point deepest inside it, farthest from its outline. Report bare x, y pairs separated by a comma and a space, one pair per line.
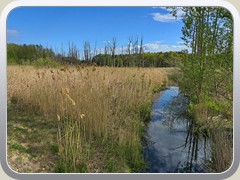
173, 143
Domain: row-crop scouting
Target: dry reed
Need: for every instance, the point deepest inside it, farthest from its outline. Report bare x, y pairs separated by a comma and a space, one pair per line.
97, 110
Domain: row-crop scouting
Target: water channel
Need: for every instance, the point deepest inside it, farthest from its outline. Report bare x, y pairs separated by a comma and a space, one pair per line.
172, 144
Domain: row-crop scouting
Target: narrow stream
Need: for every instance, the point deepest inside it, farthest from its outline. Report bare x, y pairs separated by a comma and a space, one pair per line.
172, 144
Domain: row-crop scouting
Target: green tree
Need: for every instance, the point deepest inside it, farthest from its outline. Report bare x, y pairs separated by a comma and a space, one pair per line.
207, 76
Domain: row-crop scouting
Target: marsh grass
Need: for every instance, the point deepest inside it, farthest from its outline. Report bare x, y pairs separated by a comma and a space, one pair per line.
99, 111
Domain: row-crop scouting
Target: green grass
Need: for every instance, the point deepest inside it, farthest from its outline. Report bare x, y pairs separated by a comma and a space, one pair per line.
145, 112
30, 138
18, 147
111, 165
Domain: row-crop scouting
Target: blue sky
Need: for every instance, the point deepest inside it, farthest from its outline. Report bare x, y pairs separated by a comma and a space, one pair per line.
57, 27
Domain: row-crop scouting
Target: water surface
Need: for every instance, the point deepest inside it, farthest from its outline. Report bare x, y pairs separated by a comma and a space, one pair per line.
172, 145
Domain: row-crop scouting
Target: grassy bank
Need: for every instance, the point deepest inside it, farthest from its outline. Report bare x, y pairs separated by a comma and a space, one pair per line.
95, 114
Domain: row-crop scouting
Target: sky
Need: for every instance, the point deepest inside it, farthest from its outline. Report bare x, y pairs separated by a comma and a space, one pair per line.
56, 27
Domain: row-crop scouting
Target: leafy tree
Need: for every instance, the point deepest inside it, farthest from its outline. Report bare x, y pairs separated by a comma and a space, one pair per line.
207, 76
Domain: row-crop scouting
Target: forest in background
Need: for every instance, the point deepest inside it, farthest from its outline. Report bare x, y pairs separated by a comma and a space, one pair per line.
39, 55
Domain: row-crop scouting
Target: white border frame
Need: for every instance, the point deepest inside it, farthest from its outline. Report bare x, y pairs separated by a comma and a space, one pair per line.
123, 3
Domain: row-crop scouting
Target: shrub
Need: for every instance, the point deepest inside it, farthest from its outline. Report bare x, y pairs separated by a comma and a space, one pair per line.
47, 62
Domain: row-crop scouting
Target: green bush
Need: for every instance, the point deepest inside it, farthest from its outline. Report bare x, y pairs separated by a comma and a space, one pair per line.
41, 62
158, 88
11, 61
145, 112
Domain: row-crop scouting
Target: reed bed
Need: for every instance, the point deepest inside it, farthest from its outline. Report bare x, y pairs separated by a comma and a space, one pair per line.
100, 111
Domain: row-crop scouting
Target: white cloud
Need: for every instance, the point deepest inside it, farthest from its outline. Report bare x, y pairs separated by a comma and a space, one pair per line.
12, 32
163, 17
164, 8
13, 36
157, 46
167, 17
180, 42
179, 11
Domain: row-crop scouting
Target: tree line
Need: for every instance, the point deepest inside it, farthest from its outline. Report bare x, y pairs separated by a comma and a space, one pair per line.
26, 54
159, 59
132, 55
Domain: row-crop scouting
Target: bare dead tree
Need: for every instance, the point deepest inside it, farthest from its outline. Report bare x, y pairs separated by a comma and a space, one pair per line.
113, 46
95, 49
73, 52
87, 51
129, 45
135, 45
141, 46
106, 49
141, 52
135, 51
106, 53
62, 53
122, 53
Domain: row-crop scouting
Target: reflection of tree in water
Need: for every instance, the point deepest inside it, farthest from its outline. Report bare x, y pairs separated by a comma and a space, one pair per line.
178, 119
175, 113
186, 150
192, 163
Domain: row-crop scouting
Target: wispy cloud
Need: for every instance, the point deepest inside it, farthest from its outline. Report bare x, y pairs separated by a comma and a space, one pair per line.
164, 8
12, 36
164, 17
180, 42
167, 16
157, 46
12, 32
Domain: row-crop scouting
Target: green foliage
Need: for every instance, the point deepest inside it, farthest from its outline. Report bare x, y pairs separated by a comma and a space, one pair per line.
207, 73
19, 147
207, 76
191, 107
26, 54
160, 59
145, 112
111, 165
213, 106
159, 87
54, 149
11, 61
66, 166
46, 63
